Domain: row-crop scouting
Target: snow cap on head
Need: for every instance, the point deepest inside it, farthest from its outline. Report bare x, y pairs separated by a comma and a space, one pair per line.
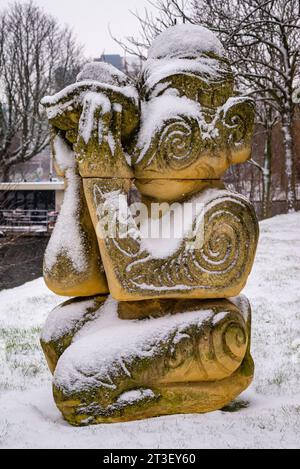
104, 73
185, 39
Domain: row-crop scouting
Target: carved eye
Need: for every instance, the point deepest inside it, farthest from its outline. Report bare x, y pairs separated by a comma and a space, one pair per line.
179, 142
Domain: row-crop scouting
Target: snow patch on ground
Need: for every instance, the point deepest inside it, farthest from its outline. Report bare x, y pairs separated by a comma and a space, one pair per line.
266, 415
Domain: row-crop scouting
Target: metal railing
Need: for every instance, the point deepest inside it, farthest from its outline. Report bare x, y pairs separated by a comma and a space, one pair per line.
27, 221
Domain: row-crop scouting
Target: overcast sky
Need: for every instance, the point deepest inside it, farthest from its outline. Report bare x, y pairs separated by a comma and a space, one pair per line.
89, 20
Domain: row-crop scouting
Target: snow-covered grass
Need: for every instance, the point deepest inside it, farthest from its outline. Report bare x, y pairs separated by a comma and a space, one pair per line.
266, 415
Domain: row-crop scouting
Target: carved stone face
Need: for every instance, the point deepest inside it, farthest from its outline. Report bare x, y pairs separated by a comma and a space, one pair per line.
185, 124
192, 126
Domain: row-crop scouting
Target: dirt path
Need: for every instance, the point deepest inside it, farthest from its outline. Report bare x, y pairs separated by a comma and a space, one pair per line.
21, 259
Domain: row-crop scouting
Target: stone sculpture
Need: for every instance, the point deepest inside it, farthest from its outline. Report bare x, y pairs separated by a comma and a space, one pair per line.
156, 326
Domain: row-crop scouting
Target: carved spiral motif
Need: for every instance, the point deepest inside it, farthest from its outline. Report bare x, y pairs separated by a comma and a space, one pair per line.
230, 235
222, 350
224, 243
230, 341
239, 119
208, 350
179, 142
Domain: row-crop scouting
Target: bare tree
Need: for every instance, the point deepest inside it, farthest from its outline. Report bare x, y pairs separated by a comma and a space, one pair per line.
267, 119
166, 13
262, 38
37, 56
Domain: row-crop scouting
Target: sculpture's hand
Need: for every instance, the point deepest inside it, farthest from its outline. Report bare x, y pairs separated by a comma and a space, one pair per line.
107, 119
97, 119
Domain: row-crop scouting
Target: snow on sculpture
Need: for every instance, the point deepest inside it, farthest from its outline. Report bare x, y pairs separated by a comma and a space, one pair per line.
149, 240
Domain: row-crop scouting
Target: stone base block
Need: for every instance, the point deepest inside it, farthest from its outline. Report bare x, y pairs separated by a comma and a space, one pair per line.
119, 361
